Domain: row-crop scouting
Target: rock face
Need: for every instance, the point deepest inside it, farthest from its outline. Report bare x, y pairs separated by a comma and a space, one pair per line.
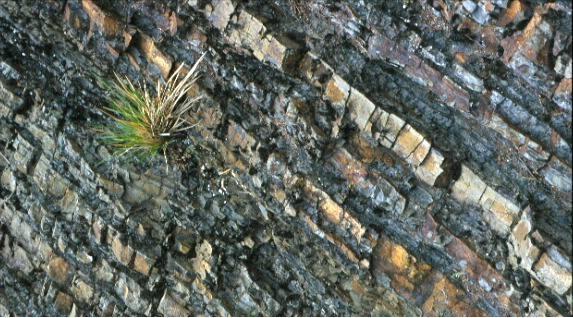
352, 158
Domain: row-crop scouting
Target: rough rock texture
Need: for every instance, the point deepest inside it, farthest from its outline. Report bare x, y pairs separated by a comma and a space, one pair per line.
352, 158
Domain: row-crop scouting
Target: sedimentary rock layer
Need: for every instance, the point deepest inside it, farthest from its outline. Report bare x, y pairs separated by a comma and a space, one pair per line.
351, 158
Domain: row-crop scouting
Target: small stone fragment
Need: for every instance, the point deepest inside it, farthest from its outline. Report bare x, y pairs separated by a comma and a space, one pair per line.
419, 154
64, 303
59, 270
131, 294
103, 271
521, 247
8, 180
502, 209
123, 252
469, 187
336, 90
143, 263
101, 19
470, 81
82, 291
222, 10
431, 167
170, 308
154, 55
360, 108
552, 274
562, 95
391, 129
201, 263
407, 141
8, 101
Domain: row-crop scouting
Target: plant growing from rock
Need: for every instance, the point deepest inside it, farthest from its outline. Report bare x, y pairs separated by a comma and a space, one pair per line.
143, 125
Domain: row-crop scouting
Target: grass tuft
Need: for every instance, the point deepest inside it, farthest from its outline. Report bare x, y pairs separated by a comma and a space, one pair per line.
143, 125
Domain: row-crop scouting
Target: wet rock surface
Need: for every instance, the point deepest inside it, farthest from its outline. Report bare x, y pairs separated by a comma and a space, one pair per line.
352, 158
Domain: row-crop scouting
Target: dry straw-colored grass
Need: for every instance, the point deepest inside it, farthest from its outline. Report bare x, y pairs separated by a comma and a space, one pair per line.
143, 125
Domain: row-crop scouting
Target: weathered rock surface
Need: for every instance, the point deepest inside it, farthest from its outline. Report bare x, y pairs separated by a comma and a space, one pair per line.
352, 158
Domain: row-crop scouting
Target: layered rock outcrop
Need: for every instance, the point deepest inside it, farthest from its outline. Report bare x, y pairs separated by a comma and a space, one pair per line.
352, 158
